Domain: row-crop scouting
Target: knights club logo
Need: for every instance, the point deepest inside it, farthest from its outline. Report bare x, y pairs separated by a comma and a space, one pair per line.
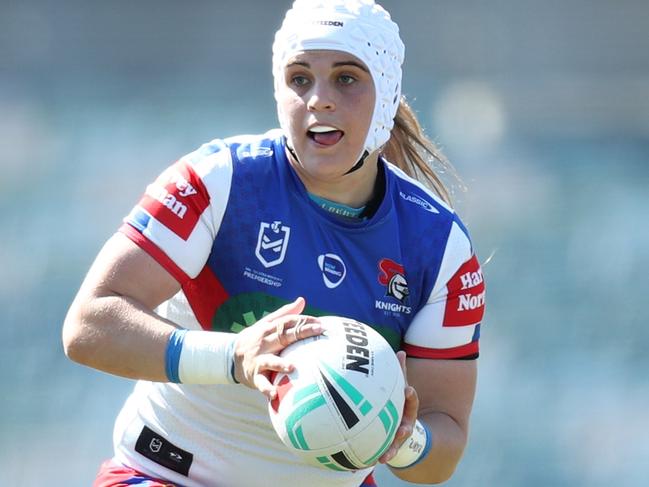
392, 276
271, 243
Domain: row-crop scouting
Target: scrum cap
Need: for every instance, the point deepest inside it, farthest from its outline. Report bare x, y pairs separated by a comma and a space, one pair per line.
358, 27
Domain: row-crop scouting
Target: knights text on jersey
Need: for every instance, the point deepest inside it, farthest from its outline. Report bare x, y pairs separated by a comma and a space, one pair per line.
235, 226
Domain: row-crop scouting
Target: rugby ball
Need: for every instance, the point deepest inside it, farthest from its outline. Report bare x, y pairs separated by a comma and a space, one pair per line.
341, 406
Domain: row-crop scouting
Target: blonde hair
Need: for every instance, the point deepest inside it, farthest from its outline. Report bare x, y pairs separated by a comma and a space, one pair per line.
415, 154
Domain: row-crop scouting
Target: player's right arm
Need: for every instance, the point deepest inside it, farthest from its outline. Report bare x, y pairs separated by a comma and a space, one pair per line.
164, 243
111, 325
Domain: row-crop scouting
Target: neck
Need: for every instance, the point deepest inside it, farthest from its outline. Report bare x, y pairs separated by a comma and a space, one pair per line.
354, 189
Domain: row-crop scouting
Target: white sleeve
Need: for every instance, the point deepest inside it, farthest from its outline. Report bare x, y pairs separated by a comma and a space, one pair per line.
180, 213
448, 325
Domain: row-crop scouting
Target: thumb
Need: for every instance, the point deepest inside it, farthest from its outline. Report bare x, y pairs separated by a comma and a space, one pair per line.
294, 308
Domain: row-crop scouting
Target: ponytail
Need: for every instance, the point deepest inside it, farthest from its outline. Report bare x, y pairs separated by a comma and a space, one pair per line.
411, 151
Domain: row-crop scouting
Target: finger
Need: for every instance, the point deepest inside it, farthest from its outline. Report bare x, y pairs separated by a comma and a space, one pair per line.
408, 420
290, 329
281, 334
411, 406
286, 329
305, 327
266, 364
294, 308
263, 385
389, 454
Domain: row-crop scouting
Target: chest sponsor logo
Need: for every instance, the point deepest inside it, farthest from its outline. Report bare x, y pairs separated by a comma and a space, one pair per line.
414, 199
177, 199
272, 242
392, 276
466, 295
333, 270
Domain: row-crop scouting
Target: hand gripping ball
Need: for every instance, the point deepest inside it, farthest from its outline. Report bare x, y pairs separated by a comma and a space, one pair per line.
342, 404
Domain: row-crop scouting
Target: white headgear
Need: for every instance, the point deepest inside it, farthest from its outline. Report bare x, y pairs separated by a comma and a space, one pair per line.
358, 27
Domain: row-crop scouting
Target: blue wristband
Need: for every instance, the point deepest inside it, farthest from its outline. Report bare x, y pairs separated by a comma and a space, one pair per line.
172, 356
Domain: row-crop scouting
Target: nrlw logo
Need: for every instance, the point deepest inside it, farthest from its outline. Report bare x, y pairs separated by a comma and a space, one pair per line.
333, 270
392, 276
155, 445
272, 242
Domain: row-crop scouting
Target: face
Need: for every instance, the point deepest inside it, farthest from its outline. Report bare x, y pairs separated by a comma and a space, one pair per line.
327, 98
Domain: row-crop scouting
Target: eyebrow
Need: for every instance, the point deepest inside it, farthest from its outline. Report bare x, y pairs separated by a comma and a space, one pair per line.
335, 65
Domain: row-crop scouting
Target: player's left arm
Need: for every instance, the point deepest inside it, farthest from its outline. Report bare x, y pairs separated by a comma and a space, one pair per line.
442, 343
442, 399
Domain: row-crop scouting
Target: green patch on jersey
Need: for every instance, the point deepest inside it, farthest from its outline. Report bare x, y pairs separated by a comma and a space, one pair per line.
243, 310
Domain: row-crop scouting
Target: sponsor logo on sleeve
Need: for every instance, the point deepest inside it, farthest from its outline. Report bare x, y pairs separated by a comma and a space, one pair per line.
272, 242
177, 199
466, 295
256, 152
333, 270
393, 277
416, 200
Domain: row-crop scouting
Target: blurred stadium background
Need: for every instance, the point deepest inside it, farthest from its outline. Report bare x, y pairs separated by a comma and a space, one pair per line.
542, 106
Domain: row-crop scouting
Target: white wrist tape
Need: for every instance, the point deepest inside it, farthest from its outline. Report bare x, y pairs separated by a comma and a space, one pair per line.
414, 448
201, 357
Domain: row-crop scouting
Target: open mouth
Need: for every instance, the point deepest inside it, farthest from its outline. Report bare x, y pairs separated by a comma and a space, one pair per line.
325, 135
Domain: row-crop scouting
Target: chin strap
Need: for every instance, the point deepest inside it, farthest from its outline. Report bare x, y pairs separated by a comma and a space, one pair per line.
359, 164
355, 167
290, 149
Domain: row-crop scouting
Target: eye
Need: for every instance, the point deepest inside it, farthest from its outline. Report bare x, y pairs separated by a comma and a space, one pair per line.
299, 80
346, 79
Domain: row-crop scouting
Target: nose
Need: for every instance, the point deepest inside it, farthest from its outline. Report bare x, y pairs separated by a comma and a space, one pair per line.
321, 98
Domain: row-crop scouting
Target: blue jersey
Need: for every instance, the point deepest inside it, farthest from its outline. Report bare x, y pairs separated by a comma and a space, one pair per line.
233, 223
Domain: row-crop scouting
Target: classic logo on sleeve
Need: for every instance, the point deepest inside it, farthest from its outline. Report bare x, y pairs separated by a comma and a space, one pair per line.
414, 199
177, 199
466, 295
